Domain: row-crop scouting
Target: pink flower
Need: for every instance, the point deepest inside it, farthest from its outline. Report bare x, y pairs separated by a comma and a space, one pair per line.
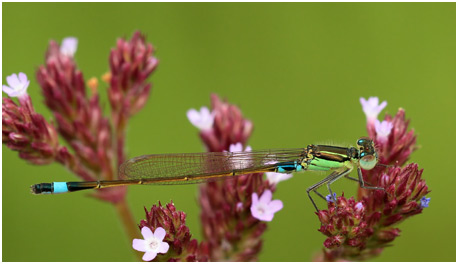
372, 108
203, 120
68, 46
151, 244
17, 85
274, 178
264, 208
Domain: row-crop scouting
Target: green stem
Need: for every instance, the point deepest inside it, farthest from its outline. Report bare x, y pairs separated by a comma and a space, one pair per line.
129, 224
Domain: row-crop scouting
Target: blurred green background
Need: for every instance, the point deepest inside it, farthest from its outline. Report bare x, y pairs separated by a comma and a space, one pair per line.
296, 70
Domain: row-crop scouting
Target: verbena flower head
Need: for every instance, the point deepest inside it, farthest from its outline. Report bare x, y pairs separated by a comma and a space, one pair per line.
372, 108
131, 63
263, 208
359, 229
69, 46
151, 243
177, 235
346, 223
274, 178
229, 228
18, 84
229, 126
95, 143
27, 132
202, 119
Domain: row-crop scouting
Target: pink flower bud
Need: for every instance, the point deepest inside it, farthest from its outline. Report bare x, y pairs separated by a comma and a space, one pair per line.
409, 207
323, 215
392, 219
18, 138
388, 235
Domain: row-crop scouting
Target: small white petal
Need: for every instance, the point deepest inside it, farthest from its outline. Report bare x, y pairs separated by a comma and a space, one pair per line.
238, 147
159, 233
146, 232
203, 120
254, 198
139, 245
268, 217
13, 80
193, 116
69, 46
8, 90
257, 211
274, 178
372, 108
204, 111
266, 197
383, 130
163, 248
22, 77
275, 206
149, 255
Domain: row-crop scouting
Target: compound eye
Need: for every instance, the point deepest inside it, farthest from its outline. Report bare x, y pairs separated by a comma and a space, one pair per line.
368, 162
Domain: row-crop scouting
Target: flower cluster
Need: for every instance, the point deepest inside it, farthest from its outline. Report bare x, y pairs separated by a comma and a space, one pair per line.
231, 212
79, 116
27, 132
221, 127
234, 210
131, 63
175, 234
95, 142
360, 229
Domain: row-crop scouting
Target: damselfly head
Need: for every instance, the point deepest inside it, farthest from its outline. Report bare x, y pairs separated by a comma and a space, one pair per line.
367, 155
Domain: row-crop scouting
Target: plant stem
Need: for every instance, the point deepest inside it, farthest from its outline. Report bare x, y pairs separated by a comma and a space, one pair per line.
128, 222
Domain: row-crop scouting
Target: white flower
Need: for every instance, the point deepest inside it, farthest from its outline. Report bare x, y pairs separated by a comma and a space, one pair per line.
240, 159
17, 85
151, 244
203, 120
383, 130
238, 147
68, 46
274, 178
264, 208
371, 108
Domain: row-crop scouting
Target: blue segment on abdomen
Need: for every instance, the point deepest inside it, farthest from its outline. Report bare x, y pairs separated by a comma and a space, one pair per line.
60, 187
287, 167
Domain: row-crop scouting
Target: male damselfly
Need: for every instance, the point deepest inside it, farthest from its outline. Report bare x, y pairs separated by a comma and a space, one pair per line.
187, 168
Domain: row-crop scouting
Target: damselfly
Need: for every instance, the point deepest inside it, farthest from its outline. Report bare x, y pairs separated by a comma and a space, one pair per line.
203, 167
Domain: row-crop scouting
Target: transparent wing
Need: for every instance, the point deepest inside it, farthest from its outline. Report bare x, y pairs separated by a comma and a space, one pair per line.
219, 164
